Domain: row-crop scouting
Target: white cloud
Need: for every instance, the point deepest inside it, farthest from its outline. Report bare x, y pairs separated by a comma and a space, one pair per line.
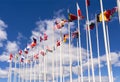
12, 47
3, 73
4, 57
3, 34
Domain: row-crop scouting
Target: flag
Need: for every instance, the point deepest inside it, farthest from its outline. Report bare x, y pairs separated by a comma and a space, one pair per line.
22, 59
59, 25
48, 49
88, 2
42, 52
45, 37
91, 26
65, 37
36, 56
41, 39
71, 17
79, 12
107, 14
118, 5
25, 51
20, 52
33, 44
10, 56
58, 43
75, 34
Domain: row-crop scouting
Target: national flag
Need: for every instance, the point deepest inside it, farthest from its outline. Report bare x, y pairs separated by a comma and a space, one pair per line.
59, 25
45, 37
71, 17
25, 51
107, 14
33, 44
91, 26
75, 34
41, 39
48, 49
20, 52
65, 37
36, 56
10, 56
79, 12
88, 2
22, 59
42, 52
58, 43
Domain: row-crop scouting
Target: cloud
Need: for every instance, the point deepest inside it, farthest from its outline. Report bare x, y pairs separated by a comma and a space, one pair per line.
4, 57
3, 73
12, 47
3, 34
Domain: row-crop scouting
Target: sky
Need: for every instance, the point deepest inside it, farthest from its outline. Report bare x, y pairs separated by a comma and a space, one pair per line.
20, 20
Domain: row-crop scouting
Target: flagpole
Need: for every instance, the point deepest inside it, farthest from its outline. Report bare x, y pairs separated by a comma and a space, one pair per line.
98, 50
10, 65
22, 68
107, 32
31, 71
70, 55
44, 68
19, 72
90, 44
53, 59
15, 72
60, 56
78, 61
88, 56
105, 42
79, 38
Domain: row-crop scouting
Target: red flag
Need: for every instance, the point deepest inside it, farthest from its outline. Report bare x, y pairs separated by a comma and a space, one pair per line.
88, 2
45, 37
91, 26
42, 52
59, 25
58, 43
10, 57
36, 56
72, 17
20, 52
79, 12
75, 34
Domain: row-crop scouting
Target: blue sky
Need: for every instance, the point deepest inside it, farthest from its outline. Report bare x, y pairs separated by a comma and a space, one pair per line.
22, 19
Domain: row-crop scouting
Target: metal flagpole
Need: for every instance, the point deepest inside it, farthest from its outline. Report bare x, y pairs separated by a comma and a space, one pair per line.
53, 77
44, 68
61, 72
106, 44
9, 74
70, 55
90, 44
88, 56
98, 50
19, 73
15, 72
35, 71
79, 41
109, 51
31, 71
22, 68
78, 61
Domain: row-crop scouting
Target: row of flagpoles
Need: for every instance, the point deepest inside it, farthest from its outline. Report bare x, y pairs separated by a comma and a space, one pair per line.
103, 17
